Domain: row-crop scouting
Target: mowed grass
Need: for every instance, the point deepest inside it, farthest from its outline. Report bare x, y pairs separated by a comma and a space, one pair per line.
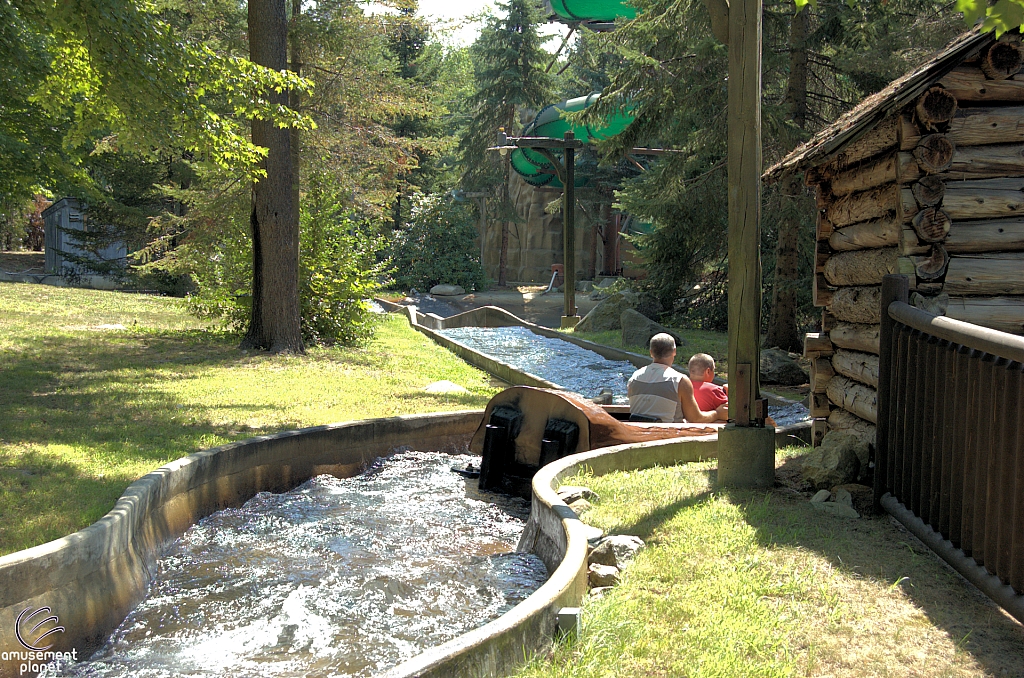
738, 584
86, 409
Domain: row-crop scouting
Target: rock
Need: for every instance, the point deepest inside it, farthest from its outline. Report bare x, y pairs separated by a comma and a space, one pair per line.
605, 283
836, 509
584, 286
844, 497
447, 290
600, 591
580, 505
445, 386
777, 367
603, 575
822, 495
616, 550
606, 315
605, 397
593, 534
571, 493
834, 462
863, 497
649, 305
637, 329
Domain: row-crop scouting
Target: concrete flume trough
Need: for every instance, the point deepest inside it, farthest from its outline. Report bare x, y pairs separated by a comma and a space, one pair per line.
91, 579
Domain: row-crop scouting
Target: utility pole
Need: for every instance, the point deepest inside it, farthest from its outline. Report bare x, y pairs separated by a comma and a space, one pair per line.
746, 447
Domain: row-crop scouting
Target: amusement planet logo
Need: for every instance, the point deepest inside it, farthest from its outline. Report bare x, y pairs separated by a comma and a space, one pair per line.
34, 628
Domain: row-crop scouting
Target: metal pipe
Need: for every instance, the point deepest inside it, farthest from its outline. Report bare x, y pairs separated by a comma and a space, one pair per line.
989, 584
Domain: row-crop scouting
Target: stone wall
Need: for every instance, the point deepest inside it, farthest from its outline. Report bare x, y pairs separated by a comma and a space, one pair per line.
535, 243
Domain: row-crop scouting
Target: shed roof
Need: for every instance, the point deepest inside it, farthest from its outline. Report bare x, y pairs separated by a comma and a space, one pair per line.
850, 126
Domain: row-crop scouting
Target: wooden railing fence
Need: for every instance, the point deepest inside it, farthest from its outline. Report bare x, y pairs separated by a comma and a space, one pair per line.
950, 441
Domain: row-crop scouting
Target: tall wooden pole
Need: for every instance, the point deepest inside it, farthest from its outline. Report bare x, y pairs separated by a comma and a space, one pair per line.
746, 450
569, 232
744, 207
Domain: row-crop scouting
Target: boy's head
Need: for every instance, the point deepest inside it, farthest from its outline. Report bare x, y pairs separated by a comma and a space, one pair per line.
702, 367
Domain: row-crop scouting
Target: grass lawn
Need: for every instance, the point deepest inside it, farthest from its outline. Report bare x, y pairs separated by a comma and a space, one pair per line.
99, 388
760, 584
715, 344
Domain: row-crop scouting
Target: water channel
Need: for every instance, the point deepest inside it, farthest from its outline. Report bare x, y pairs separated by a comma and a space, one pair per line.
573, 367
339, 577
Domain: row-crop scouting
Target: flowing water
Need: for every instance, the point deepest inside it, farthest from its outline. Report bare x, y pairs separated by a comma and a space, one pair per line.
568, 365
339, 577
572, 367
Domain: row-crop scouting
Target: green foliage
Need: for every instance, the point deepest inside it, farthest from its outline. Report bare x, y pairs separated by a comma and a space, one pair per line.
670, 67
339, 267
339, 270
437, 246
509, 63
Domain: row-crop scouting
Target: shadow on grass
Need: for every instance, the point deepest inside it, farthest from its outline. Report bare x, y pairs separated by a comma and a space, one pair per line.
84, 418
874, 547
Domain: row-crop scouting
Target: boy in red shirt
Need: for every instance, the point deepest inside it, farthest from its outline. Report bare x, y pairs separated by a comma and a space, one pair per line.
709, 395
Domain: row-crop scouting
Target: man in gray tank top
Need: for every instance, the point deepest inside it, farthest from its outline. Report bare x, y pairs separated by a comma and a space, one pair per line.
661, 393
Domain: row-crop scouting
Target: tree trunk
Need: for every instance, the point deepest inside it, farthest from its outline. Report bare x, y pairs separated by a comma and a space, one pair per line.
854, 397
857, 304
782, 329
865, 235
860, 267
863, 338
862, 367
274, 323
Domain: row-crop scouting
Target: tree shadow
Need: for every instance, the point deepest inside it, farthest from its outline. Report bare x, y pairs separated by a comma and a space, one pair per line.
876, 547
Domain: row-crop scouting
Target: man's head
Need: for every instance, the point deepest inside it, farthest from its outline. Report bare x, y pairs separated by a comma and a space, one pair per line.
663, 348
702, 367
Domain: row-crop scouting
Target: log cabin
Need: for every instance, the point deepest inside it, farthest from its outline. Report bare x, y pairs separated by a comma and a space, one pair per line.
924, 178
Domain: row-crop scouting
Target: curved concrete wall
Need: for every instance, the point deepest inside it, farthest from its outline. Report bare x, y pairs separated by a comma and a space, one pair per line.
555, 533
91, 579
94, 577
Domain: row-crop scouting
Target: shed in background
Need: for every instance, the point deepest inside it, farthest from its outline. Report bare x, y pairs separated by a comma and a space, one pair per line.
924, 178
60, 220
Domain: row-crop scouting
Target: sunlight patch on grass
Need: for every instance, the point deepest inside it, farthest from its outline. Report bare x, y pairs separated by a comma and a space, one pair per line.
754, 584
87, 412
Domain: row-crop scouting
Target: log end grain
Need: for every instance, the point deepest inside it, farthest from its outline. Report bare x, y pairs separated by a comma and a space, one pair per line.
1001, 60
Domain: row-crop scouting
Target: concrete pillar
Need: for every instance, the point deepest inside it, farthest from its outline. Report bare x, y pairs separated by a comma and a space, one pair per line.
746, 456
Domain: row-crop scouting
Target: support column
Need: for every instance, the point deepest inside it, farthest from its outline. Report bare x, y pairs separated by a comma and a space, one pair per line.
746, 452
569, 233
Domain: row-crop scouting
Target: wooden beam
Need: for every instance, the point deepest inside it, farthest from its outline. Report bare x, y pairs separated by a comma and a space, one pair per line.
866, 235
744, 203
861, 267
856, 337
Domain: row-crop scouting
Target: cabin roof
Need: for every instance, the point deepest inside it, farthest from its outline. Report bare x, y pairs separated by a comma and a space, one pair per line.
853, 124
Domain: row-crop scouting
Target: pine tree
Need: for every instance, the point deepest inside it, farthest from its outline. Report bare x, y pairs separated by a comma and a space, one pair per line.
510, 78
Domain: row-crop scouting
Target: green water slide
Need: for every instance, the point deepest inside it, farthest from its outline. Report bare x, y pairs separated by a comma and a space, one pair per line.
593, 10
537, 169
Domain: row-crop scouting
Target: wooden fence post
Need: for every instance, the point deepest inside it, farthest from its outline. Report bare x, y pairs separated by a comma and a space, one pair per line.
894, 288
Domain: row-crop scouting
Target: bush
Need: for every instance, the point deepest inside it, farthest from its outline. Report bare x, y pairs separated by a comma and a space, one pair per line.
339, 267
437, 246
339, 272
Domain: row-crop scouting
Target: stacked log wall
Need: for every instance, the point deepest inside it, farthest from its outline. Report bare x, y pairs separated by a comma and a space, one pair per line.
936, 192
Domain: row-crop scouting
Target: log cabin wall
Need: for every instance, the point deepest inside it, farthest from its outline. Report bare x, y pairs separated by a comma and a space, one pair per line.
935, 191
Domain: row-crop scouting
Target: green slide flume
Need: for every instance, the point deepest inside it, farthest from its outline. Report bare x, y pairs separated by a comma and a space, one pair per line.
536, 169
592, 10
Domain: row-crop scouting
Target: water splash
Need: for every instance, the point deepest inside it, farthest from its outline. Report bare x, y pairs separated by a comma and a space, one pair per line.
339, 577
